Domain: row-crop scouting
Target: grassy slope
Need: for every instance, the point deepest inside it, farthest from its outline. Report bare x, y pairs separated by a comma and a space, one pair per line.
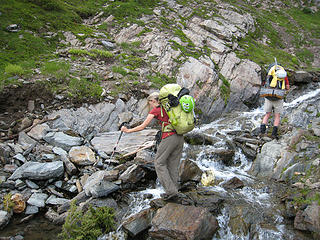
36, 18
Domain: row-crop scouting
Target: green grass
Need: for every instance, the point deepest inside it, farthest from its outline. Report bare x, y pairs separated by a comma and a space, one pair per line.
94, 53
36, 18
59, 70
159, 80
130, 10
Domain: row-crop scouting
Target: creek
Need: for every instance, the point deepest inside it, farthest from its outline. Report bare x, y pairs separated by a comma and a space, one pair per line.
251, 212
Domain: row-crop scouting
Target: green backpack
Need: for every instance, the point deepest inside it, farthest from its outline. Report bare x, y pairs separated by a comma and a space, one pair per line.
181, 113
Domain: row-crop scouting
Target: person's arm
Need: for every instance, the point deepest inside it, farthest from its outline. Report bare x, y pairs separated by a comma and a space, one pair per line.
140, 127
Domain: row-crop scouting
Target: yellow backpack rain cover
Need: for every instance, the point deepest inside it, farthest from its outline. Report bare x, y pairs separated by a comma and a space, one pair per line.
180, 120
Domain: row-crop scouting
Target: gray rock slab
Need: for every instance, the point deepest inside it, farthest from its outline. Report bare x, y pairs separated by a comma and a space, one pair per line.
105, 142
39, 171
38, 200
96, 185
62, 140
31, 210
53, 200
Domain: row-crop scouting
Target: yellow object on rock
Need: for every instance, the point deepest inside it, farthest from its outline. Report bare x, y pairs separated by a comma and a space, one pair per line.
19, 203
207, 178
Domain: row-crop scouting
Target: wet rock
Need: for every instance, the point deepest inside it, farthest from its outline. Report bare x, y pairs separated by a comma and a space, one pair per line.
233, 183
39, 171
194, 138
38, 200
145, 158
82, 155
175, 221
138, 222
206, 199
96, 186
133, 174
266, 160
189, 171
223, 155
62, 140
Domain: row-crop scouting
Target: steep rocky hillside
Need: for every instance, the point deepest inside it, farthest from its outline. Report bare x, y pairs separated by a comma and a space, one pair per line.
79, 51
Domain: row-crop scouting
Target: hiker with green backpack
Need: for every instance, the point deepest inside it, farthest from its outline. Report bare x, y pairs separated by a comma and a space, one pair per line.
175, 113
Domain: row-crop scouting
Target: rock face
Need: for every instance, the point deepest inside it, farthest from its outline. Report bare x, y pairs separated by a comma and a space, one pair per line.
176, 221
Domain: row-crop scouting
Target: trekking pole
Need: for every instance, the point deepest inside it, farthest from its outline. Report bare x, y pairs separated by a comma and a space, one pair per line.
115, 147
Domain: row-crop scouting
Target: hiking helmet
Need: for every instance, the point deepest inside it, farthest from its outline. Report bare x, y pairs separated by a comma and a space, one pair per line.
187, 103
281, 73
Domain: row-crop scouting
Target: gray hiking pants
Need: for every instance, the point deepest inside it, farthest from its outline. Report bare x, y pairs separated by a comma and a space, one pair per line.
167, 162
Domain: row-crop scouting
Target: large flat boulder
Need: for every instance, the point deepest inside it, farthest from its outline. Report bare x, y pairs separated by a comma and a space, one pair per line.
180, 222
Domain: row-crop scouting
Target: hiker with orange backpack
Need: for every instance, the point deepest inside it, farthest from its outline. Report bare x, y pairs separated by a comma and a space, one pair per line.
169, 152
273, 89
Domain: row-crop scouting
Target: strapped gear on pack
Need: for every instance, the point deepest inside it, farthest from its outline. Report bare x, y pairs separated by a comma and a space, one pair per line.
180, 120
275, 89
187, 103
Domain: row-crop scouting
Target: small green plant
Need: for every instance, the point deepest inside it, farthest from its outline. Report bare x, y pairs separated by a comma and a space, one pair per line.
121, 70
224, 88
13, 70
59, 70
83, 88
158, 80
94, 53
89, 225
8, 204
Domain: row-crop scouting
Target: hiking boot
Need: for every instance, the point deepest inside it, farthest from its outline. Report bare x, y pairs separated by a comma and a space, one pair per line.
274, 134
